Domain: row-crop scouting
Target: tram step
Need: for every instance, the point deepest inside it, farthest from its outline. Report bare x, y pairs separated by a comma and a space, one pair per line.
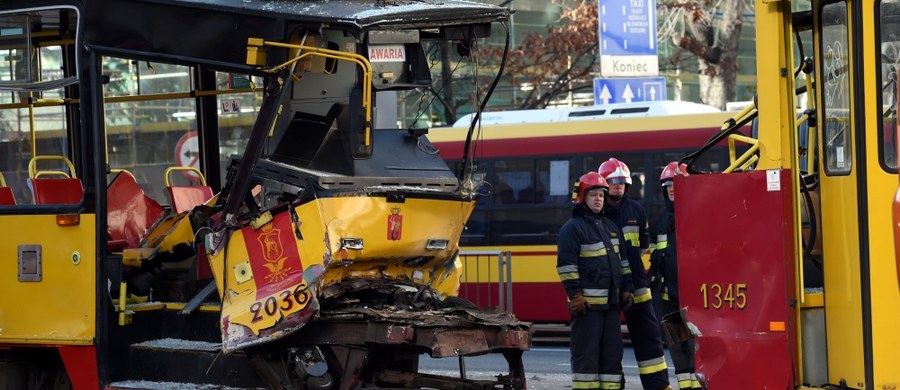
188, 361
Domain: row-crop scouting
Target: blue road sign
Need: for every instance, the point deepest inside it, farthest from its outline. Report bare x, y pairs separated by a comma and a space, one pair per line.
627, 27
627, 90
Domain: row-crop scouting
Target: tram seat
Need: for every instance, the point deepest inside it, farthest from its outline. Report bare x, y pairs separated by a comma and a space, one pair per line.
185, 198
6, 195
64, 190
130, 212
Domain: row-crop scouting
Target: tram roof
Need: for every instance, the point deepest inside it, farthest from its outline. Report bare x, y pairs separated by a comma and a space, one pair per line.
602, 111
363, 14
215, 32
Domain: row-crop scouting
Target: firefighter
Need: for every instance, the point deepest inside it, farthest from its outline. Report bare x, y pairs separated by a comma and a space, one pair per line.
664, 280
643, 326
591, 260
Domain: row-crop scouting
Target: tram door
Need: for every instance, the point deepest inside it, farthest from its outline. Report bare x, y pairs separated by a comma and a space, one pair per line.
47, 291
857, 171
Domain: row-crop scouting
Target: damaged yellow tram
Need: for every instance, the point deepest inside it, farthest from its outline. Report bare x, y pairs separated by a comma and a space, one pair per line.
311, 250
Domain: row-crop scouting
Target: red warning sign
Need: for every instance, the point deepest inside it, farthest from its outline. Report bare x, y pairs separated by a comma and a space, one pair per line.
187, 153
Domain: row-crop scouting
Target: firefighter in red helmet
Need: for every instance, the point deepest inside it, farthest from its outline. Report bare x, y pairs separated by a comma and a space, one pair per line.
643, 326
590, 262
664, 278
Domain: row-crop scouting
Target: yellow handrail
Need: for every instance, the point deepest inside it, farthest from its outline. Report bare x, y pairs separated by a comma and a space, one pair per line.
185, 169
253, 52
32, 166
745, 159
2, 180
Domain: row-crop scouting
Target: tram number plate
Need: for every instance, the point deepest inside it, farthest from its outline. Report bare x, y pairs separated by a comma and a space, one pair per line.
285, 301
724, 295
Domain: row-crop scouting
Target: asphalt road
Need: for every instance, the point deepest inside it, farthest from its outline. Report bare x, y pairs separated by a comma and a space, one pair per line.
546, 367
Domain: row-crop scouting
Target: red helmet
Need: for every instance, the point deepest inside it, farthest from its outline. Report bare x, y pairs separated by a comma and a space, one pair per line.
615, 172
667, 177
587, 182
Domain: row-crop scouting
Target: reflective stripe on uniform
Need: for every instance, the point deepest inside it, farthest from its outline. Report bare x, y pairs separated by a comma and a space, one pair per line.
595, 292
585, 381
695, 384
632, 235
650, 366
626, 269
596, 296
684, 380
662, 241
568, 272
585, 377
592, 250
610, 378
611, 382
615, 244
642, 295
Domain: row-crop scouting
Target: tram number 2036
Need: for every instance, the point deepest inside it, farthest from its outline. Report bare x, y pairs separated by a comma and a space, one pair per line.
724, 295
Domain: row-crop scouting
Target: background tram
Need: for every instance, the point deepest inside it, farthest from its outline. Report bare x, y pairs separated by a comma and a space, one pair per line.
529, 160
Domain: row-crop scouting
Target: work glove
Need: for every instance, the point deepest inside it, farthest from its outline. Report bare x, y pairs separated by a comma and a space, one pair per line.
626, 299
578, 305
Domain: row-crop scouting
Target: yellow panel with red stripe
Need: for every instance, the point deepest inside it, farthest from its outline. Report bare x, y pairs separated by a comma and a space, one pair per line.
270, 276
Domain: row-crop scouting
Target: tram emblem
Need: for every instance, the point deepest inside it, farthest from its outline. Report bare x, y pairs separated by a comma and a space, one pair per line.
394, 224
273, 251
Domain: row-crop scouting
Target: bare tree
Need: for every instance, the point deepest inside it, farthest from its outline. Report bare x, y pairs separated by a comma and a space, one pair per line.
564, 58
555, 62
714, 41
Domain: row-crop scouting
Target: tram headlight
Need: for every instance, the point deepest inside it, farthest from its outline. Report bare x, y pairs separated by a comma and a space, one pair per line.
436, 244
352, 243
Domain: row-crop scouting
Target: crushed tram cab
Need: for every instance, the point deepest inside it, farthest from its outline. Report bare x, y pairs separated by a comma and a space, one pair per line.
198, 194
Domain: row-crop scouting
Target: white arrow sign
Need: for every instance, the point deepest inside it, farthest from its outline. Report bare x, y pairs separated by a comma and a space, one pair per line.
605, 95
628, 94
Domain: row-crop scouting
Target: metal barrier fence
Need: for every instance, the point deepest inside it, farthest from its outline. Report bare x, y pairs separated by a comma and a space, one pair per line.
487, 278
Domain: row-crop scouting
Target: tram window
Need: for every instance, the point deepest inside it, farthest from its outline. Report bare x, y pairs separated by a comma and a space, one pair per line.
476, 231
32, 60
527, 226
590, 163
554, 180
511, 178
836, 111
889, 60
146, 136
236, 123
